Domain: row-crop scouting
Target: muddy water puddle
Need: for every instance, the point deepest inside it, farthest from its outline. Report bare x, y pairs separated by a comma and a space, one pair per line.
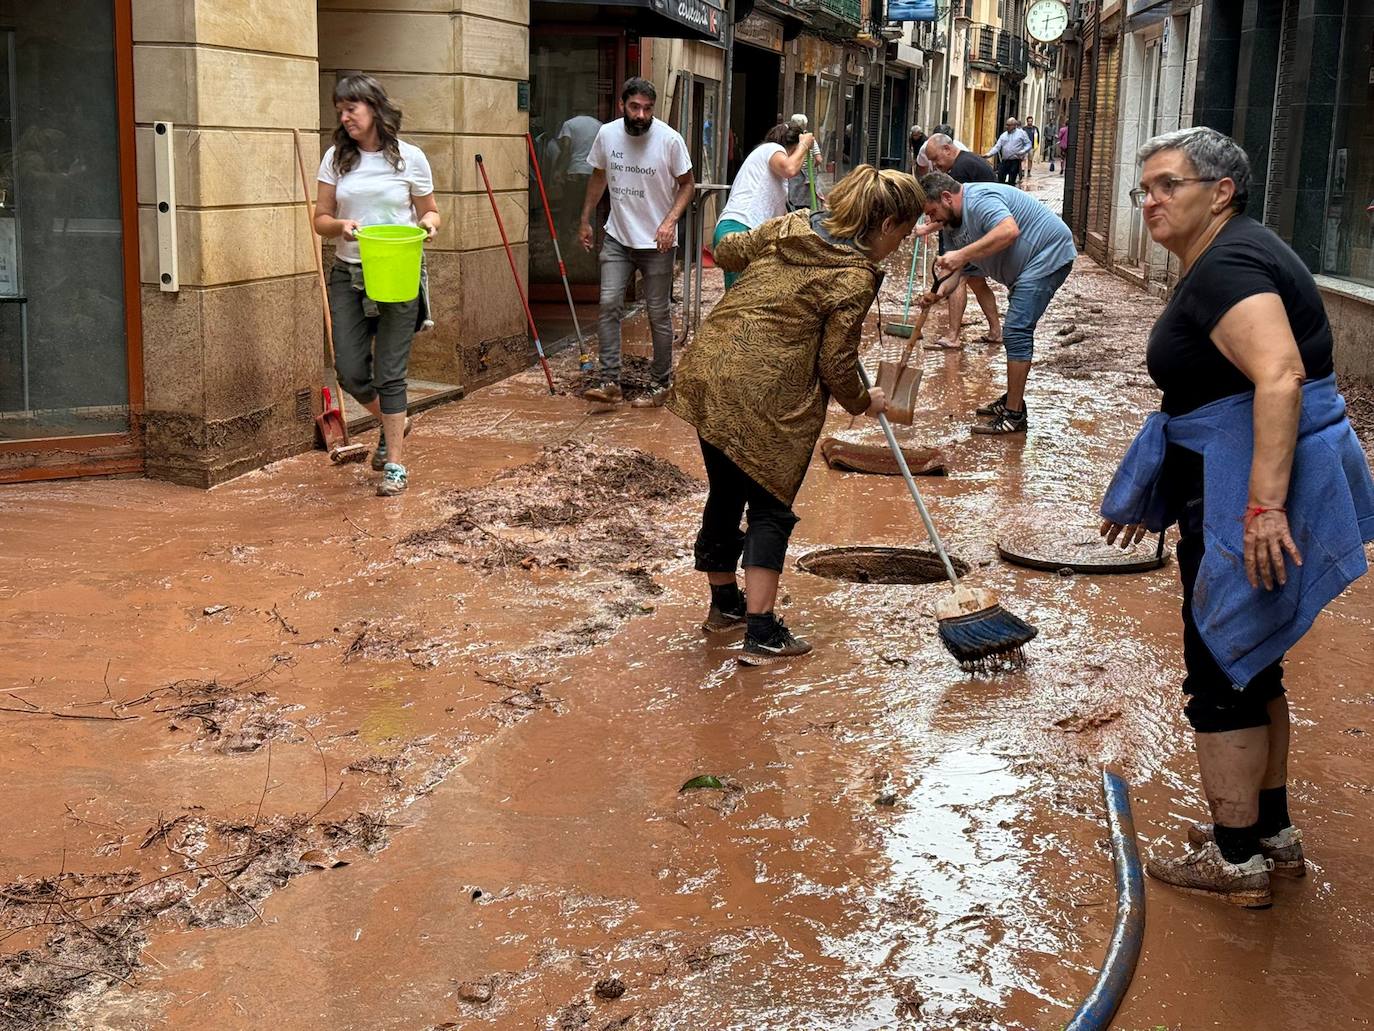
423, 767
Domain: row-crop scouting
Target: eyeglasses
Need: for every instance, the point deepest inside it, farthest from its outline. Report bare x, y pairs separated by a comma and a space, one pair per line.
1162, 189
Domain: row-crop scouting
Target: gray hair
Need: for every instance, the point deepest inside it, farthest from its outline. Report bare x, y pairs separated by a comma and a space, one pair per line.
936, 183
937, 141
1213, 154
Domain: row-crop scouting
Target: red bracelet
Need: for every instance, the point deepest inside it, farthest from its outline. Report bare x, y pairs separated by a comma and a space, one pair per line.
1255, 510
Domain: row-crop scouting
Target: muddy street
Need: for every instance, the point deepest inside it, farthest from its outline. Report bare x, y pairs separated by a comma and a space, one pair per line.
283, 753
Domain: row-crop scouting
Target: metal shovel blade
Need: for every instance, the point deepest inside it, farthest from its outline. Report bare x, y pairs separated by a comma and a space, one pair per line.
900, 383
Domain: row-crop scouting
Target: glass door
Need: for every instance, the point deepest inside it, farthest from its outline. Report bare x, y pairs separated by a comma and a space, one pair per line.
64, 338
574, 86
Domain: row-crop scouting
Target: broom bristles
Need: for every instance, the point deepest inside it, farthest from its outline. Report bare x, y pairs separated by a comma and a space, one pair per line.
987, 639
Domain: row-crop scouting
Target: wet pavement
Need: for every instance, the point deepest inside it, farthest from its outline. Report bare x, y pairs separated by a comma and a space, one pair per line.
287, 754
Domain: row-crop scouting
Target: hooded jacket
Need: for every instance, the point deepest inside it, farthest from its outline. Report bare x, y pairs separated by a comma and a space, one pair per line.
759, 374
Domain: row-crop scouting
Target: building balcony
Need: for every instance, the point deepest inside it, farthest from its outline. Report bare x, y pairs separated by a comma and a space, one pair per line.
841, 17
997, 50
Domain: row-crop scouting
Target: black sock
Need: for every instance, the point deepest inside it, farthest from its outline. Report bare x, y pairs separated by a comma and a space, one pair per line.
760, 625
1238, 844
1273, 811
727, 597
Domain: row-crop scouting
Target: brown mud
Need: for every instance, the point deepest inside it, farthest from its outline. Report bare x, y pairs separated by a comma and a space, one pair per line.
287, 754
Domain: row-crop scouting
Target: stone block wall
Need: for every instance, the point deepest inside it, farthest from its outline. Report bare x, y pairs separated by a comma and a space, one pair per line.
225, 356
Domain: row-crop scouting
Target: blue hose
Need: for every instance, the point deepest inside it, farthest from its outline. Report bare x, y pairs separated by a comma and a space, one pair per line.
1096, 1011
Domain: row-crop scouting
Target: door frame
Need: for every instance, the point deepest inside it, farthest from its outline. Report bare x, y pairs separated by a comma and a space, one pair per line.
108, 453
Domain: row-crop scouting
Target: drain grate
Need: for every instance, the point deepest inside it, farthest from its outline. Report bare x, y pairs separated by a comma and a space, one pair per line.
878, 565
305, 410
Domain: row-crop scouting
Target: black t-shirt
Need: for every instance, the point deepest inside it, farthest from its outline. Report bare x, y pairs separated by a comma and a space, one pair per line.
1244, 260
970, 168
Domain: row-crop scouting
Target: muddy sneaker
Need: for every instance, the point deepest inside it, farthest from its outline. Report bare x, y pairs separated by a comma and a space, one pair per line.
1004, 423
394, 480
1284, 849
995, 408
779, 645
653, 399
726, 616
606, 394
1206, 872
379, 455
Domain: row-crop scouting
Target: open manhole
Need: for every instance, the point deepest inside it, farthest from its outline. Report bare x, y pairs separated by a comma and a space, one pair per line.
1063, 550
878, 565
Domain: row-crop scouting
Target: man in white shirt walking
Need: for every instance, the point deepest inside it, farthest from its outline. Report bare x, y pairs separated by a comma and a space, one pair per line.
1009, 149
648, 171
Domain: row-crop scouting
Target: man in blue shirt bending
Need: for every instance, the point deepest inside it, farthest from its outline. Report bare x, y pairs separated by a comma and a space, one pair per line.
997, 230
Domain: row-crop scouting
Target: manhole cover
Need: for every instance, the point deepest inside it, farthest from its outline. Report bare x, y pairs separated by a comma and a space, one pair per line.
878, 565
877, 458
1082, 551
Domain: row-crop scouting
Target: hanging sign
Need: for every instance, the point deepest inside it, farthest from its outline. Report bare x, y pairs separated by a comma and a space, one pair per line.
9, 259
911, 10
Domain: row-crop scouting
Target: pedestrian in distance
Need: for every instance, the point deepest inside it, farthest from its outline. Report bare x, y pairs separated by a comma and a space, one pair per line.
1001, 232
1010, 148
1253, 457
760, 374
1032, 134
760, 189
916, 139
923, 163
964, 167
370, 176
645, 166
1063, 145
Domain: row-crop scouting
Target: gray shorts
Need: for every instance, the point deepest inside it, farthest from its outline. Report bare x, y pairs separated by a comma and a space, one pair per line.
371, 340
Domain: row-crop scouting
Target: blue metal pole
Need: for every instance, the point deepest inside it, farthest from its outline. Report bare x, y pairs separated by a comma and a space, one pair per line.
1096, 1011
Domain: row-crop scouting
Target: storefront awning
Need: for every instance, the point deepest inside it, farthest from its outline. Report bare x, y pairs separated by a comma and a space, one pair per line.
669, 19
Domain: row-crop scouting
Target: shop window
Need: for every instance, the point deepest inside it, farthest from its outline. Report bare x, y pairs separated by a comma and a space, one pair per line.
1348, 238
63, 339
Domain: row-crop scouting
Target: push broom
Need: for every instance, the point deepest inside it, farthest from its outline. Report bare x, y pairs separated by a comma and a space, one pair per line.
510, 257
584, 356
974, 628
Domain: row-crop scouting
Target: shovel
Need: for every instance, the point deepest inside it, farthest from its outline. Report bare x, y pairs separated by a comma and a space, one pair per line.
900, 381
334, 433
905, 329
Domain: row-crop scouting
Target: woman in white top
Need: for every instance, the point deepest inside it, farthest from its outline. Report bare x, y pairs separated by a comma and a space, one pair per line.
371, 177
759, 191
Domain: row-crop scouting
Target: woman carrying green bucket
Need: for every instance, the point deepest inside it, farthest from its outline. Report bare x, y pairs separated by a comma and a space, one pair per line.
376, 193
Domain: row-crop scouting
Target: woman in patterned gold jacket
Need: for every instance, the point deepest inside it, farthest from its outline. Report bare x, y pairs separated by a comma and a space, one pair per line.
759, 376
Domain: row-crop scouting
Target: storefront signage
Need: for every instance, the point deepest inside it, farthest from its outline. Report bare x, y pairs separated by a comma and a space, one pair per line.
705, 17
911, 10
985, 81
761, 31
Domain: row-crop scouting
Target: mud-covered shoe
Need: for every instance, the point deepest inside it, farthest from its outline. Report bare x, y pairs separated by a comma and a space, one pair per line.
722, 621
379, 454
1205, 871
1284, 849
778, 645
995, 408
653, 399
606, 394
1001, 425
394, 480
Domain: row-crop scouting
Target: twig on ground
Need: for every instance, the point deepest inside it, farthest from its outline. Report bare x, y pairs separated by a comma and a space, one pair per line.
66, 715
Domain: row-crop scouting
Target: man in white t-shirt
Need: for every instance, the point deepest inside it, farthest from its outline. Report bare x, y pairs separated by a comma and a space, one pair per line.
645, 165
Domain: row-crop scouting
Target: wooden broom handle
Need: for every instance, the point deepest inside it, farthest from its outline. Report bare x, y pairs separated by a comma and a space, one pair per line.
316, 248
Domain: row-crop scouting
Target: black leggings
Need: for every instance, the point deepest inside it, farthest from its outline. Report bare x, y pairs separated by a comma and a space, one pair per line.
721, 542
1214, 706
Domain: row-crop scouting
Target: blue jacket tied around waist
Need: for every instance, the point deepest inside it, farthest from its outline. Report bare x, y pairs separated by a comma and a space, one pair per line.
1330, 513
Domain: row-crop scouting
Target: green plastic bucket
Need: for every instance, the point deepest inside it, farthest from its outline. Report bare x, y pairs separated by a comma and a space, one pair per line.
391, 261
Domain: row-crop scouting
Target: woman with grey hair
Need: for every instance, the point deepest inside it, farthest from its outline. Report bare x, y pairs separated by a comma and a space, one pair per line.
1253, 457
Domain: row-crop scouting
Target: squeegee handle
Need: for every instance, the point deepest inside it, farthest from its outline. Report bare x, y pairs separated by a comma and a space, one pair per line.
911, 486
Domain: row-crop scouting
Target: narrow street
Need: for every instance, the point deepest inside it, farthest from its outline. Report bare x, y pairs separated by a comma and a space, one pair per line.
285, 754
